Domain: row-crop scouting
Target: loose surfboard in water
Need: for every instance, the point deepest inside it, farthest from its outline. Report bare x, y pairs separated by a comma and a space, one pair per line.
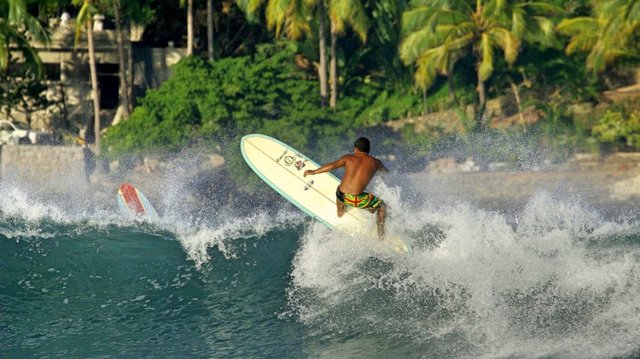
282, 167
132, 203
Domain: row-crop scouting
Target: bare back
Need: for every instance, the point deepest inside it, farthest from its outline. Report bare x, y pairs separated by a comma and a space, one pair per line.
359, 170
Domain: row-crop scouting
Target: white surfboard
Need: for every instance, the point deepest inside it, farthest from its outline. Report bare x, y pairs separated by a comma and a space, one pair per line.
282, 167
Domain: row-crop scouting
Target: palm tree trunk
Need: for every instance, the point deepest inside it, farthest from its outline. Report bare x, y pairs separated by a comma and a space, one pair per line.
482, 95
424, 104
94, 87
124, 86
452, 88
482, 100
333, 69
322, 70
132, 100
210, 29
189, 27
516, 95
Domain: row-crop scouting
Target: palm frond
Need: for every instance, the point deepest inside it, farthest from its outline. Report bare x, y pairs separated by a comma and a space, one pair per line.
17, 11
540, 7
596, 60
416, 19
19, 17
84, 15
579, 25
251, 8
358, 19
460, 43
296, 21
32, 61
464, 28
412, 46
507, 41
446, 16
348, 12
336, 9
546, 25
426, 70
275, 14
485, 69
518, 23
580, 43
11, 34
4, 48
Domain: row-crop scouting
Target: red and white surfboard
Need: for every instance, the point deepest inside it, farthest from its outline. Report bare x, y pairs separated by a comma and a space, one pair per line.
133, 203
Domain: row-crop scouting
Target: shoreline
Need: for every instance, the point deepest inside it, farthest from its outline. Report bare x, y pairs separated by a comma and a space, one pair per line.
610, 182
613, 187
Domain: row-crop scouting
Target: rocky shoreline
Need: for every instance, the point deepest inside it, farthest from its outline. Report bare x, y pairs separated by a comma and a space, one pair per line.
610, 182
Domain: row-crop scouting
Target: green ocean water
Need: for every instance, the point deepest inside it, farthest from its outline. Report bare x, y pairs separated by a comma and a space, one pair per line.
554, 279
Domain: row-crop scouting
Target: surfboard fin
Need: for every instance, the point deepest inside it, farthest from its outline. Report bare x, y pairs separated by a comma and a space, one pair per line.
308, 185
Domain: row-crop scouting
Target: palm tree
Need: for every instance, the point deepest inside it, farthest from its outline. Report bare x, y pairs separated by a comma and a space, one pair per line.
436, 33
189, 25
606, 36
85, 20
17, 27
124, 86
210, 28
293, 18
342, 13
125, 13
322, 49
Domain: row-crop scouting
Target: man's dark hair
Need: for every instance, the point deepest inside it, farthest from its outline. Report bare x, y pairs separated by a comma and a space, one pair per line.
363, 144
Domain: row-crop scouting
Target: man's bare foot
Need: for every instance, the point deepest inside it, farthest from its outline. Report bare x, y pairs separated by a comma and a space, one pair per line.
341, 208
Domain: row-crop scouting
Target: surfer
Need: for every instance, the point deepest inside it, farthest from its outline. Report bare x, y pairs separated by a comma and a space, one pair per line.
359, 169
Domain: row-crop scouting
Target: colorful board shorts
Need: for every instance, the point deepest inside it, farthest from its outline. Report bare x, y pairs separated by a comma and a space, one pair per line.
362, 200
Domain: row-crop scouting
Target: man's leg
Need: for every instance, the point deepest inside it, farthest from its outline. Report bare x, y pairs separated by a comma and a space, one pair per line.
341, 207
381, 216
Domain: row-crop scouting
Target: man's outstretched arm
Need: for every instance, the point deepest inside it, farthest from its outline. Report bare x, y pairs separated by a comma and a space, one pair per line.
340, 162
381, 167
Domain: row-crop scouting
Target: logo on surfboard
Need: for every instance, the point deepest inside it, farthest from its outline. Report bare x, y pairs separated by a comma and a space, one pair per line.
290, 159
299, 165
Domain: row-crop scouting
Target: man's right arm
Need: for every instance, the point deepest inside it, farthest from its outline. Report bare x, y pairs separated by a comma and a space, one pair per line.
380, 167
340, 162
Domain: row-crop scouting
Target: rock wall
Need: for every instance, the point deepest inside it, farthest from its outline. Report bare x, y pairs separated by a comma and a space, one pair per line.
51, 169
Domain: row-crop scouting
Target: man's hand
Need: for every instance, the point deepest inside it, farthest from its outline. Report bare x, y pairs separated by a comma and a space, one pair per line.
308, 172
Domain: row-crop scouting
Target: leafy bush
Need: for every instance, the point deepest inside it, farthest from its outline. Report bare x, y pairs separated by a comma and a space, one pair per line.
214, 102
619, 127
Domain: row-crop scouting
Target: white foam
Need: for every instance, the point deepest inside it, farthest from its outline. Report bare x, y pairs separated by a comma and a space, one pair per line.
197, 240
535, 283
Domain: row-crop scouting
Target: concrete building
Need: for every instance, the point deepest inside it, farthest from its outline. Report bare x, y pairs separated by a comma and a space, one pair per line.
68, 77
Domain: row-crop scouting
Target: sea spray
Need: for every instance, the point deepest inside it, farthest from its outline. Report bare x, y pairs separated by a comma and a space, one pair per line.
217, 276
531, 283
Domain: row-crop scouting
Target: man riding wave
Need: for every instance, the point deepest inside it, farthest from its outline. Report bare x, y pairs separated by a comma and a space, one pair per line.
360, 168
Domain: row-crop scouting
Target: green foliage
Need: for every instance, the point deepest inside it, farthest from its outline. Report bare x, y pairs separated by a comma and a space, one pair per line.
619, 126
607, 35
562, 136
516, 147
388, 105
22, 91
17, 28
416, 146
218, 102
